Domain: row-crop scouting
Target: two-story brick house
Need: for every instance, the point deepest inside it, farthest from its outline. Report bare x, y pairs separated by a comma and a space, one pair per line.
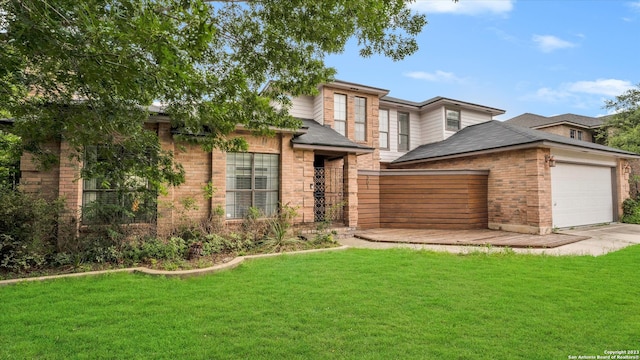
369, 160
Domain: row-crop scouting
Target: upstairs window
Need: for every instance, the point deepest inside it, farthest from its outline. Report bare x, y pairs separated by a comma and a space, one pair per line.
453, 119
252, 181
572, 133
403, 131
383, 115
579, 135
361, 118
340, 113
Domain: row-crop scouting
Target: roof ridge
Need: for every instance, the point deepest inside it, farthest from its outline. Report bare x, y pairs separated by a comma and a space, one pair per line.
520, 130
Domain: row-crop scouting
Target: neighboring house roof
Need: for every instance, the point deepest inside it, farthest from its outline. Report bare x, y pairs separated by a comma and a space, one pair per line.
439, 100
534, 121
316, 136
7, 121
493, 136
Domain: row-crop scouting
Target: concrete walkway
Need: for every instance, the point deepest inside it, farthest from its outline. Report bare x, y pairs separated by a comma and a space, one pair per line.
600, 240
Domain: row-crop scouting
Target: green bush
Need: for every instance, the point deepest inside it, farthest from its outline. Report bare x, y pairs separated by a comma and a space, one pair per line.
631, 211
28, 230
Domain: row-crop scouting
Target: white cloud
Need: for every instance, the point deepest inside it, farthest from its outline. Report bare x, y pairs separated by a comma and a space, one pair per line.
503, 35
634, 5
580, 94
464, 7
438, 76
549, 43
608, 87
549, 95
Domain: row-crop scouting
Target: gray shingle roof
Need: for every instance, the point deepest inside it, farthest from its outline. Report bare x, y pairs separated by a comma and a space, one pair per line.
533, 121
494, 135
318, 135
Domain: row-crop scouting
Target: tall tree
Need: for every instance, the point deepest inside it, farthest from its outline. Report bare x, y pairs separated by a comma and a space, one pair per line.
86, 70
624, 126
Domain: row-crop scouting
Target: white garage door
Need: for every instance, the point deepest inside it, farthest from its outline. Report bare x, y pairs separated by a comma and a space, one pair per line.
581, 195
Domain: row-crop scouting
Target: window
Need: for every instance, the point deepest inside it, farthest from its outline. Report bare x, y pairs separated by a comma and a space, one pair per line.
572, 133
579, 135
403, 131
361, 118
252, 181
107, 201
340, 113
384, 128
453, 119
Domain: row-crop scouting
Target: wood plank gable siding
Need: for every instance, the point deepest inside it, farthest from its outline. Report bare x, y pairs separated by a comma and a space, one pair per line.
449, 200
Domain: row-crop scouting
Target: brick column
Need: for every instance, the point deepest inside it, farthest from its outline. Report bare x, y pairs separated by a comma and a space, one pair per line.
70, 186
291, 182
219, 180
351, 190
165, 201
538, 189
305, 160
622, 184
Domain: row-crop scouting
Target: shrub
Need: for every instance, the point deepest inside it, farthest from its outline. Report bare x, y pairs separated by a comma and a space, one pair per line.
278, 228
631, 211
28, 230
254, 225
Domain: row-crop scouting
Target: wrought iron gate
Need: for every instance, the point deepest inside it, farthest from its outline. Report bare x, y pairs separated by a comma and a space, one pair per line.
328, 194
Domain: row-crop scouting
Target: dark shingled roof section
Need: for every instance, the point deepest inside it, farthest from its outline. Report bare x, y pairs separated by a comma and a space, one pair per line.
324, 136
493, 135
532, 120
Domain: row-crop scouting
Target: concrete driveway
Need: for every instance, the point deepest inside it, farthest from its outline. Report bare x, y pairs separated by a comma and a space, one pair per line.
600, 240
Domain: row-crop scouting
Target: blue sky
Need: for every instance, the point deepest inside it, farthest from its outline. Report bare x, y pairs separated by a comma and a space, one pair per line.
540, 56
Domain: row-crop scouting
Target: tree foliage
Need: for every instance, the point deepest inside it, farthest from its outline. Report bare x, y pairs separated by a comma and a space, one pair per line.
624, 126
86, 71
10, 151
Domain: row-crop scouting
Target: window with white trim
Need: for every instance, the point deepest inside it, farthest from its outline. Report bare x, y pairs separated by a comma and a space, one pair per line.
572, 133
452, 119
383, 116
340, 113
360, 104
252, 181
403, 131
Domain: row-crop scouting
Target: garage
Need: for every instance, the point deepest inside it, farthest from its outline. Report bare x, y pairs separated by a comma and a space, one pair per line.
581, 194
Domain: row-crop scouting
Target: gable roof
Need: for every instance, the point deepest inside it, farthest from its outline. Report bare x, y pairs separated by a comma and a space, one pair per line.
316, 136
439, 100
382, 94
534, 121
493, 136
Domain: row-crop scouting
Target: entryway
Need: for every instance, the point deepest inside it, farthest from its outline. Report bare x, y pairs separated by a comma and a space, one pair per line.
328, 190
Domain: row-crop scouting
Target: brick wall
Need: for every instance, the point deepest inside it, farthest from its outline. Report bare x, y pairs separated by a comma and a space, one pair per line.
519, 188
35, 180
565, 130
634, 178
188, 201
367, 161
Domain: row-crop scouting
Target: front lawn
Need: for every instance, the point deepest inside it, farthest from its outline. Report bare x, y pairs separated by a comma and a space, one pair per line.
350, 304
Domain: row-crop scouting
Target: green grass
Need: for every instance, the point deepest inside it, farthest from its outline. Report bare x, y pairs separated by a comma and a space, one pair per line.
361, 304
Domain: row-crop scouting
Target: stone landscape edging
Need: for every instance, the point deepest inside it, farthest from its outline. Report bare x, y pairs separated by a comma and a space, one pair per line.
169, 273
